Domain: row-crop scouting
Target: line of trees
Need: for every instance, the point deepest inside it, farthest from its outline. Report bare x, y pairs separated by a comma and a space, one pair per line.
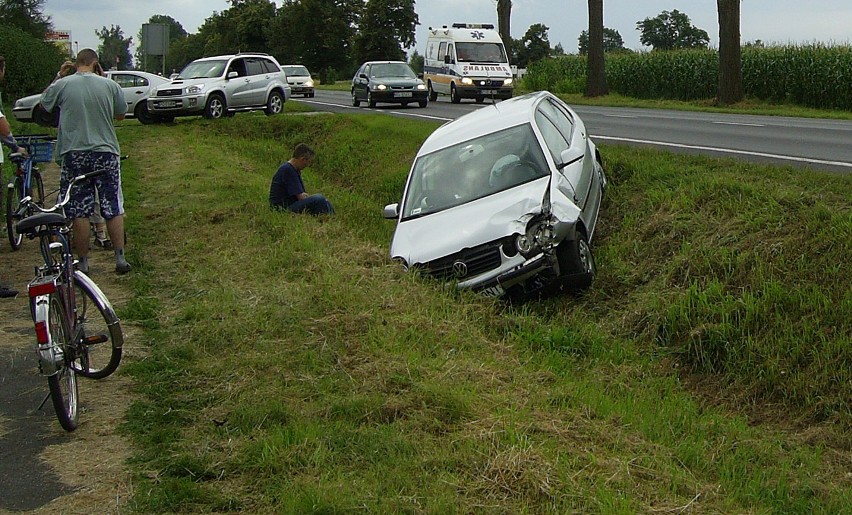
330, 37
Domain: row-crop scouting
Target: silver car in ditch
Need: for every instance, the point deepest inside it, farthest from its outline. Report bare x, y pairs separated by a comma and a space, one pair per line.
503, 200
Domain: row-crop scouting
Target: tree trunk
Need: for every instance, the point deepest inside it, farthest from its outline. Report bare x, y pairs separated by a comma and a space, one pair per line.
730, 53
595, 67
504, 13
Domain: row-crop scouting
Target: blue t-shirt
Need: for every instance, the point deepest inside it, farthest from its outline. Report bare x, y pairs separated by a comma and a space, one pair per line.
286, 185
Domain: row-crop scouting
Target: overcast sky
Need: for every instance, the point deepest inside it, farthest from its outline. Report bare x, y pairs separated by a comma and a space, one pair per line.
772, 21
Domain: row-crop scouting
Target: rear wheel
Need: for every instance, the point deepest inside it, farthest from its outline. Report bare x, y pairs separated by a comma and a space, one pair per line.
275, 104
13, 202
454, 94
215, 107
62, 384
99, 331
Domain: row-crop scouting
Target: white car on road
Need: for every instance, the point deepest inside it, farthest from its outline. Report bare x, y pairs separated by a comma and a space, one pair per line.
136, 86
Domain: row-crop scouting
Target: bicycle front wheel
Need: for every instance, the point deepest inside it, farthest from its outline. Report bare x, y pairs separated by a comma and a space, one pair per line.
63, 384
37, 187
13, 202
98, 330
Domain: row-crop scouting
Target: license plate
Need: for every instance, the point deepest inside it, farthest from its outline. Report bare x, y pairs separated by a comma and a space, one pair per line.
402, 94
167, 104
488, 92
493, 291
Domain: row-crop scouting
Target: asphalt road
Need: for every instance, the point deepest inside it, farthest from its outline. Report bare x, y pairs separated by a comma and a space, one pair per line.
818, 144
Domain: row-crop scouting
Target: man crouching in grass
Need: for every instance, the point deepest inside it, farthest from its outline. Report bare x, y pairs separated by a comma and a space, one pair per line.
287, 190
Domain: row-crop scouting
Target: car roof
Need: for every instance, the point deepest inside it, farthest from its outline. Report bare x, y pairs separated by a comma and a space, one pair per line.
486, 120
385, 62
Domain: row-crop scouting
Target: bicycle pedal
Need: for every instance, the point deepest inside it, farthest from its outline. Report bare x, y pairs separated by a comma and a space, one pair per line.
95, 339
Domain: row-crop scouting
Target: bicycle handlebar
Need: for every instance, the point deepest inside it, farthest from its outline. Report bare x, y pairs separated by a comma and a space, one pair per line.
65, 198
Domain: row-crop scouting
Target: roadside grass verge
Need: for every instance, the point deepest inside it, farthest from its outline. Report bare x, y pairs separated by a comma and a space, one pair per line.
294, 369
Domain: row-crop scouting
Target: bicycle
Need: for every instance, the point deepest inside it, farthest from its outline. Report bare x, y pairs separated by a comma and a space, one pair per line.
77, 330
26, 180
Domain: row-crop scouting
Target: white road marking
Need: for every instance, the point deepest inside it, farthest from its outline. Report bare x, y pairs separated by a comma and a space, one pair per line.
741, 124
730, 151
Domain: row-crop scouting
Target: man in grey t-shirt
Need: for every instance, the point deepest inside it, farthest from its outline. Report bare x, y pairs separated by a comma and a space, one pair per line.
88, 104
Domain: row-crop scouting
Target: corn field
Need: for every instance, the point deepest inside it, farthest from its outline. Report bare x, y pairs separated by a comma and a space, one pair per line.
818, 76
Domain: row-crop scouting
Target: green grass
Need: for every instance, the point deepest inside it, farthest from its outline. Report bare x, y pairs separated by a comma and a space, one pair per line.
294, 369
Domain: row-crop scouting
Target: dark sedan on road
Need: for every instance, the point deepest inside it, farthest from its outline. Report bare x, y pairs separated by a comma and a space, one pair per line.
392, 82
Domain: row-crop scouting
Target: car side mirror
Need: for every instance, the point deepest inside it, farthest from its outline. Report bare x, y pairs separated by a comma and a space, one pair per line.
569, 156
232, 75
391, 211
363, 76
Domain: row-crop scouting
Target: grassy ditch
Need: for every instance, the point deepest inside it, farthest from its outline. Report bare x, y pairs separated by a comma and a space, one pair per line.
294, 369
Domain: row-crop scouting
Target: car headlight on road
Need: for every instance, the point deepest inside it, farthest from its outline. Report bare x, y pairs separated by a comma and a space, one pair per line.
309, 83
421, 87
467, 81
381, 87
191, 90
540, 235
507, 82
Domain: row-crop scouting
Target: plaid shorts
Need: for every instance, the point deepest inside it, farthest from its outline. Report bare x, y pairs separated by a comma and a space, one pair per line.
106, 188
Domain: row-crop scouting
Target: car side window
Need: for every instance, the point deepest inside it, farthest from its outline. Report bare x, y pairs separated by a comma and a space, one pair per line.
124, 80
239, 66
442, 50
554, 139
559, 118
255, 67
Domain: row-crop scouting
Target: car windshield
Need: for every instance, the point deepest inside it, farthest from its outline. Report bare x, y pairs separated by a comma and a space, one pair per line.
203, 69
296, 71
480, 53
392, 70
474, 169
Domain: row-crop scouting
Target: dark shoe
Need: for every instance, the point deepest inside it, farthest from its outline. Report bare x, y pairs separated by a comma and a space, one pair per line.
83, 267
7, 293
123, 268
103, 244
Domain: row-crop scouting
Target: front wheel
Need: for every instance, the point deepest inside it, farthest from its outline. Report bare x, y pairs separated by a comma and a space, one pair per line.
433, 95
423, 103
37, 187
576, 262
355, 101
215, 107
454, 94
98, 330
14, 194
370, 100
142, 114
275, 104
62, 384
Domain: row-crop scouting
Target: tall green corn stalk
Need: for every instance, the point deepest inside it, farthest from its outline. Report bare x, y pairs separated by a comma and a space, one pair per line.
814, 75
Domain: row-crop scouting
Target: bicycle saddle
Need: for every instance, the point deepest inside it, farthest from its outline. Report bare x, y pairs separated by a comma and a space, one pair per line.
31, 222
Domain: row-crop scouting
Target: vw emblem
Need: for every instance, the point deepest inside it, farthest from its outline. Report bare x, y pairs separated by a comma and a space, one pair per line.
459, 269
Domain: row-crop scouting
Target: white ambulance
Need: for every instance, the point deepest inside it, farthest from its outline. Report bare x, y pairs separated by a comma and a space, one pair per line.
466, 60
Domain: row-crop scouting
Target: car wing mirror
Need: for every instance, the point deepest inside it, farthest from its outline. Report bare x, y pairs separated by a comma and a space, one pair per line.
364, 76
232, 75
391, 211
569, 156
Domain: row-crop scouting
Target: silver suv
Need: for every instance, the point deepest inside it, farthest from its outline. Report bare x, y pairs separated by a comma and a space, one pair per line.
221, 86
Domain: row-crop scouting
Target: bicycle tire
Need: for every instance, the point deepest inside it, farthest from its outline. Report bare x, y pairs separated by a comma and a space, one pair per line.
63, 384
98, 330
39, 187
13, 201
